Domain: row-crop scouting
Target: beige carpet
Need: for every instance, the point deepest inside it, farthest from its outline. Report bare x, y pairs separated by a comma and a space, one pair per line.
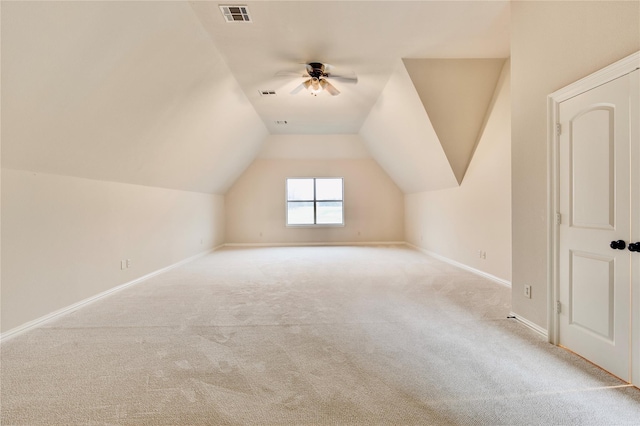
304, 336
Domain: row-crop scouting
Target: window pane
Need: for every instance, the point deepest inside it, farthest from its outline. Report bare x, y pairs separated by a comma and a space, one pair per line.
299, 189
329, 212
328, 189
299, 213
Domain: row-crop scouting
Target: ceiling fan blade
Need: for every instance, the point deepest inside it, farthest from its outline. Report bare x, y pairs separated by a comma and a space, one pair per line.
344, 78
299, 87
291, 74
329, 87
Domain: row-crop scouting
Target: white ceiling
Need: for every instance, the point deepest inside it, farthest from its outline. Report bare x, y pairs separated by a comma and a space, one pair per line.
365, 37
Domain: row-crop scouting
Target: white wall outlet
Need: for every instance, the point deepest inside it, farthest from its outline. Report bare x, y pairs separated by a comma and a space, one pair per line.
128, 263
527, 291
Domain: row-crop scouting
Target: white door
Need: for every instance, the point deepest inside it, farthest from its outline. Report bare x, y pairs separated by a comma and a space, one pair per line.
635, 225
595, 206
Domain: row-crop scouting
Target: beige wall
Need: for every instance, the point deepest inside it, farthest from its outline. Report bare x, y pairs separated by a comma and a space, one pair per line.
553, 44
255, 205
63, 237
457, 223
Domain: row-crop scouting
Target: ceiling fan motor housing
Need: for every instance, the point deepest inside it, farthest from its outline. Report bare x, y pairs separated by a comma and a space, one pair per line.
318, 81
316, 69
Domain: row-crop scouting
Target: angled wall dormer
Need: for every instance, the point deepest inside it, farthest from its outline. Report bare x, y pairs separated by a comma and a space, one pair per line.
457, 97
425, 126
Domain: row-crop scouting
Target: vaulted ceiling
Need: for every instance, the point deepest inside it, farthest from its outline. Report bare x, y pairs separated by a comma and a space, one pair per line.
167, 93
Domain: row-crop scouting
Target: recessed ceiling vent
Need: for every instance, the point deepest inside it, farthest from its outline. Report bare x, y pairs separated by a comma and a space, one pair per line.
281, 122
235, 13
267, 93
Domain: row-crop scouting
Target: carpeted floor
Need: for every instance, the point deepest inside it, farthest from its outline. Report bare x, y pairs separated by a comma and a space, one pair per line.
304, 336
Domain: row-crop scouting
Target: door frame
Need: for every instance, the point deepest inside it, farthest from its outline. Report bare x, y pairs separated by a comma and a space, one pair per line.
603, 76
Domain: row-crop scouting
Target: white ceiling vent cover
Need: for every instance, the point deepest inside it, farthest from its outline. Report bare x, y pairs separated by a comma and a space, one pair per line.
235, 13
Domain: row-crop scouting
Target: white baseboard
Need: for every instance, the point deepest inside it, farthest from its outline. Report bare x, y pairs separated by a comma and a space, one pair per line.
68, 309
346, 243
535, 327
462, 266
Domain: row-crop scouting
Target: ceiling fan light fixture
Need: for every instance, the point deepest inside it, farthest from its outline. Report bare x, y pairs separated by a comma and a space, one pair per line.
315, 86
329, 88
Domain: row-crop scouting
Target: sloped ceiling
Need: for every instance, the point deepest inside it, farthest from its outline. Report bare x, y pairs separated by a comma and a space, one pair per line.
165, 93
363, 37
130, 92
314, 147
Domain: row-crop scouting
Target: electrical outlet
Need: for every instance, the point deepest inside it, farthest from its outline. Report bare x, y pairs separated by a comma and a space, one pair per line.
527, 291
128, 263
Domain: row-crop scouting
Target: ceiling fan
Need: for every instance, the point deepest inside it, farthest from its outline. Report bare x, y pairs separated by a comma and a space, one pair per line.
317, 75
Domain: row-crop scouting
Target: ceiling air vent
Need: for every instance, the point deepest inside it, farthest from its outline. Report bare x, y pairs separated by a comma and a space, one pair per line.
281, 122
235, 13
267, 93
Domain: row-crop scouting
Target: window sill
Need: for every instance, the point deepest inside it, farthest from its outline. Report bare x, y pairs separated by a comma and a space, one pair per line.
321, 225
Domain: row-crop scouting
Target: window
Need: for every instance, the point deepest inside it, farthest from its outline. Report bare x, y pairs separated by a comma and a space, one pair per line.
315, 201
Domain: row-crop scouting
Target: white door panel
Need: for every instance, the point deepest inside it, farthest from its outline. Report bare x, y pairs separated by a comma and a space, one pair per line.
591, 283
592, 186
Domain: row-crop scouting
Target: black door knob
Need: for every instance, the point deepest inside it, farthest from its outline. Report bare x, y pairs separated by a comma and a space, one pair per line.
634, 246
620, 245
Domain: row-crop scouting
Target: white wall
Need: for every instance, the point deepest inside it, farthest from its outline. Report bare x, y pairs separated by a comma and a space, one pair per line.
255, 205
457, 223
553, 44
63, 237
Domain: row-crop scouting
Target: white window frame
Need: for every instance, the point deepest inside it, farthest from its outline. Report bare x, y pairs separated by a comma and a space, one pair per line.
314, 201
